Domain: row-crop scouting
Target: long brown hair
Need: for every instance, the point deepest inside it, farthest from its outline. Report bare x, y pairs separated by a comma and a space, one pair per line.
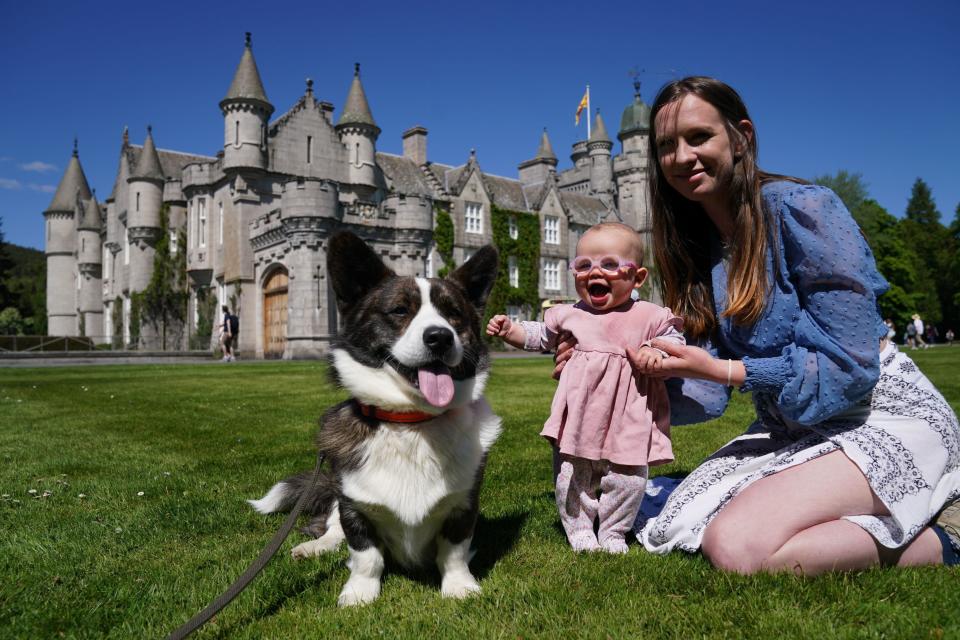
682, 231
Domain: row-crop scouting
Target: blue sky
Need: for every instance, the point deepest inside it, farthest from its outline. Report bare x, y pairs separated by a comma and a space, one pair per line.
870, 88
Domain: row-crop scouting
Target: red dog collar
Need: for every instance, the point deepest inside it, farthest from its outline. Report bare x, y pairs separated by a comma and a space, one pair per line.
406, 417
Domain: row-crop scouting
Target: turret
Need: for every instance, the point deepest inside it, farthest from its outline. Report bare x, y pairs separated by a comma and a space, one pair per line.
601, 170
542, 166
359, 132
246, 112
61, 246
635, 124
90, 268
144, 199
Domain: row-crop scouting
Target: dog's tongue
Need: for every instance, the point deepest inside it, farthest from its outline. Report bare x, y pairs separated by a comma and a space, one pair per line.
436, 385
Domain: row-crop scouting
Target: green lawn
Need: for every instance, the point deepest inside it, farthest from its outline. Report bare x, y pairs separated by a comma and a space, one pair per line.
123, 514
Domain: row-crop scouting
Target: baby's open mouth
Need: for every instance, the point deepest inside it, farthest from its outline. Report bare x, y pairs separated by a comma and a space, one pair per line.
598, 290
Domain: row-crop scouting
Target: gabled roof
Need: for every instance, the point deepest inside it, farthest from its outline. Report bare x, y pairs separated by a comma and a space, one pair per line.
246, 84
582, 209
72, 183
403, 175
356, 110
148, 165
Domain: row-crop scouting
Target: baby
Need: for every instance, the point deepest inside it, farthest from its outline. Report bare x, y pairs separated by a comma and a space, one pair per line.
607, 427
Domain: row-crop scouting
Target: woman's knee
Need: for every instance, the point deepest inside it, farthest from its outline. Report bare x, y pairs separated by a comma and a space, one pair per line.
733, 548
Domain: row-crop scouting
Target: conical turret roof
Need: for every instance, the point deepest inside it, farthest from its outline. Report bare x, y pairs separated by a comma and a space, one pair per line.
356, 110
148, 166
74, 182
91, 216
599, 132
246, 83
545, 152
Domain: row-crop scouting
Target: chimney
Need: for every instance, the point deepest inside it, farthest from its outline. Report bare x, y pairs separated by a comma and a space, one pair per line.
415, 144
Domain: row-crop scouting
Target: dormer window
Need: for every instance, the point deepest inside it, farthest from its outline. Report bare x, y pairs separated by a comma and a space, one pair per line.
551, 229
512, 227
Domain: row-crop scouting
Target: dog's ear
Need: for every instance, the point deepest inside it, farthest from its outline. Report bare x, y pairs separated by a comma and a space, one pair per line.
478, 275
353, 267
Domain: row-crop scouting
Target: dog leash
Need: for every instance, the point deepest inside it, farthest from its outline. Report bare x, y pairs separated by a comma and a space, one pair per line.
247, 577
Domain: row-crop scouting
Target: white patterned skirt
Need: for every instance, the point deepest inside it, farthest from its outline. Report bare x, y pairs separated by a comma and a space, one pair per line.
904, 437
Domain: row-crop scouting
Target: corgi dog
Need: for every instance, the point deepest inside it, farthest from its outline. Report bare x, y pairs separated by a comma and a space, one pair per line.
406, 453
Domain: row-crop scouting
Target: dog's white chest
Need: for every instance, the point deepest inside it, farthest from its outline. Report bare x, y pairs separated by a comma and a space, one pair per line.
408, 471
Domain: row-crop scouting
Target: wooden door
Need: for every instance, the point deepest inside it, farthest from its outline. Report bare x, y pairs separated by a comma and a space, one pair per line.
275, 314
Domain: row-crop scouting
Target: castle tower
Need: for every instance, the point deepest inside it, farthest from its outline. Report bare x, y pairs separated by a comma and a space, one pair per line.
61, 247
542, 166
246, 112
635, 125
144, 199
601, 169
90, 269
359, 132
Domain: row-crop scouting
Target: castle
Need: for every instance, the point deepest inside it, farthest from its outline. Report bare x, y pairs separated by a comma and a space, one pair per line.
257, 215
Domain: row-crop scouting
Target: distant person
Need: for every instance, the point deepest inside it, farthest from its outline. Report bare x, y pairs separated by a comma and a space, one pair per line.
949, 336
910, 335
918, 331
932, 335
891, 329
231, 329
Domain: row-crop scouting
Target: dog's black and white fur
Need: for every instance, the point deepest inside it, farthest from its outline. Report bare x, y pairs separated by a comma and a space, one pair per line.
406, 344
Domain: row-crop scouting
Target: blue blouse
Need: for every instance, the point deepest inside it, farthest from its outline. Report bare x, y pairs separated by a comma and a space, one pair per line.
814, 351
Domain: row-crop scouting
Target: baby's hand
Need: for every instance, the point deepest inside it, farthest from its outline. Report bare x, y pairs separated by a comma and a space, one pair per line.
499, 325
648, 360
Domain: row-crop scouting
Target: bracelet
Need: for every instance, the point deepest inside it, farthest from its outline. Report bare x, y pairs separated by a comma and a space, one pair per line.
729, 371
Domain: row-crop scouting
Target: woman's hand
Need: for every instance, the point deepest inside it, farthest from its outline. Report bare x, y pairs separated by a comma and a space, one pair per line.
565, 344
687, 361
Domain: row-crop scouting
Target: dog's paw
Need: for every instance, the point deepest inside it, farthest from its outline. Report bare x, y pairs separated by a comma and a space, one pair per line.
313, 548
359, 590
459, 586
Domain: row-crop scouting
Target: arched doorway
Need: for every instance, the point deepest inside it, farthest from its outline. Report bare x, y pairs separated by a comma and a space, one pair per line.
275, 313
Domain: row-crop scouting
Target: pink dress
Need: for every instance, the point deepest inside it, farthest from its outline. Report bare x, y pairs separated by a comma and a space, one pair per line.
600, 411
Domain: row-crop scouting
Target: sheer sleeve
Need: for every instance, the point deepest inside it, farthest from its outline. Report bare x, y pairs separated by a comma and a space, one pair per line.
834, 359
693, 400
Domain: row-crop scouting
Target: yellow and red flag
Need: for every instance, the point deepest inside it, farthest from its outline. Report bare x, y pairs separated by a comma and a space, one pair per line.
584, 104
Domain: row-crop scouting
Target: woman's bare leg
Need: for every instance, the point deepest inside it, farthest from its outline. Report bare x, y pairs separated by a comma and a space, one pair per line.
791, 521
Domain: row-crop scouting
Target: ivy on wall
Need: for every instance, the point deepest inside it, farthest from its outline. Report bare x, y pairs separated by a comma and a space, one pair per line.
117, 319
443, 236
526, 249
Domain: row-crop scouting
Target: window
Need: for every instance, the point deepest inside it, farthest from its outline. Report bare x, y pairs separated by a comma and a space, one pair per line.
191, 226
236, 134
309, 149
220, 220
173, 242
512, 227
138, 201
83, 245
551, 229
473, 215
202, 221
551, 275
513, 271
513, 312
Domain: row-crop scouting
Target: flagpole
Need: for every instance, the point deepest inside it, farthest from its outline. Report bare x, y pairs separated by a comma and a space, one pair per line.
588, 112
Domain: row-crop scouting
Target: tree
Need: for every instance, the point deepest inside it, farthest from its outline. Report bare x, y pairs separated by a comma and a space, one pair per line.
922, 230
850, 187
163, 303
5, 265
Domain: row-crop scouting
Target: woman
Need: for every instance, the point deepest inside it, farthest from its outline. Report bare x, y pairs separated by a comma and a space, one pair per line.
853, 452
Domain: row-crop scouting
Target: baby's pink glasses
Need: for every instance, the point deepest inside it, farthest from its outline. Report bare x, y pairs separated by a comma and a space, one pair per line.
610, 265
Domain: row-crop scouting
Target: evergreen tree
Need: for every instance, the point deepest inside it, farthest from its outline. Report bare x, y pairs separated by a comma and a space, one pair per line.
922, 230
850, 187
164, 301
6, 299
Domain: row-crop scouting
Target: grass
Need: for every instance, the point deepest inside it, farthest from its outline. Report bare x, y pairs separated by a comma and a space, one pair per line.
164, 457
